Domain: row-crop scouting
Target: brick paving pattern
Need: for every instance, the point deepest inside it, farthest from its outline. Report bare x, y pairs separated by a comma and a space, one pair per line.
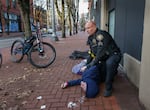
49, 81
56, 98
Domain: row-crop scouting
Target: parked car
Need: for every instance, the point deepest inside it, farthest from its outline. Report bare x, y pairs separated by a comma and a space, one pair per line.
50, 31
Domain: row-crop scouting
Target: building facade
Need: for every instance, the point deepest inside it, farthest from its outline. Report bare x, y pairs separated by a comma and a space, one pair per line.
10, 16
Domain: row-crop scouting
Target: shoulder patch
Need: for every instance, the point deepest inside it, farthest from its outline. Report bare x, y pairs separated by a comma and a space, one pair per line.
99, 37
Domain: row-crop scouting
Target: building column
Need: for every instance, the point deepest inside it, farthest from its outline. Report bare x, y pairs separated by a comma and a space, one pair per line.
144, 88
104, 15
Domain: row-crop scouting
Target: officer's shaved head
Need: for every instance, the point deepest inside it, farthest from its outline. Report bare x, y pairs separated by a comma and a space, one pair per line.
90, 27
91, 23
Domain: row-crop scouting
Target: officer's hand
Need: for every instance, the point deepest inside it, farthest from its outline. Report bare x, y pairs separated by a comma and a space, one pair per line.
83, 68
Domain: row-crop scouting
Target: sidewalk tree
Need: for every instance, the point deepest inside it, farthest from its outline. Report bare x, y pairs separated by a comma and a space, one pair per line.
74, 17
24, 7
68, 3
39, 11
61, 14
73, 13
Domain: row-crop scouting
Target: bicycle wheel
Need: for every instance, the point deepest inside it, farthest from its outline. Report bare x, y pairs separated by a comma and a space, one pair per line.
1, 60
17, 51
42, 59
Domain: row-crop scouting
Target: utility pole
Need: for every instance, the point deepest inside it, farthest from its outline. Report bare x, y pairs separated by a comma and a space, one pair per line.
54, 36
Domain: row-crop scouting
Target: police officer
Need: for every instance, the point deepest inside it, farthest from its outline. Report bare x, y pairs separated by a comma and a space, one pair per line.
102, 49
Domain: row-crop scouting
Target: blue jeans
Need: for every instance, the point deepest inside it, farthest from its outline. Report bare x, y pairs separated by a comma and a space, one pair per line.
91, 73
95, 73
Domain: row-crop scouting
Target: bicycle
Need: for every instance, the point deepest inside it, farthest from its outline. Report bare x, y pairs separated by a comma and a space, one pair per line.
1, 60
40, 54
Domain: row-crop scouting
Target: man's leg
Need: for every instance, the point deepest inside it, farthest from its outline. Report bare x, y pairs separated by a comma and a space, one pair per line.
92, 73
111, 69
102, 71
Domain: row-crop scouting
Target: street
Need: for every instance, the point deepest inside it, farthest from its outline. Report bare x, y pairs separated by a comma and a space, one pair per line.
7, 42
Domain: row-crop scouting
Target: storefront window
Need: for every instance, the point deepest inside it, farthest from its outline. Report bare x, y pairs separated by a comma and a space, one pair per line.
13, 22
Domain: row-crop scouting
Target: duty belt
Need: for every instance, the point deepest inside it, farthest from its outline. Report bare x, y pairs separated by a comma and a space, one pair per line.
91, 54
116, 53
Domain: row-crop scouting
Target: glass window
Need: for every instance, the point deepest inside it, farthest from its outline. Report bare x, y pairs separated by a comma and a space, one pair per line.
111, 25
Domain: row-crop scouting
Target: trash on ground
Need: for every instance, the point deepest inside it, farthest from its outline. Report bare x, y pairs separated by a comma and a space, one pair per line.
43, 107
71, 104
81, 100
39, 97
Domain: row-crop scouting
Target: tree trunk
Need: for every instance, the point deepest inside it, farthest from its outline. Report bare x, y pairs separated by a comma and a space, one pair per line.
27, 27
72, 9
2, 18
24, 6
69, 15
63, 20
70, 25
62, 16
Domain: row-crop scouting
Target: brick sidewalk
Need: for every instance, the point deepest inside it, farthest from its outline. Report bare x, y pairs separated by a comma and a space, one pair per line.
55, 98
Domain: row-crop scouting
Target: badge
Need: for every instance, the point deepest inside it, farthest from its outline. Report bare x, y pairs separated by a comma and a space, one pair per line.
94, 41
99, 37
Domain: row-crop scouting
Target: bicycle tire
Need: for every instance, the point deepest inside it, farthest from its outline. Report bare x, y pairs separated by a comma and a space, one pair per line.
1, 60
47, 58
17, 51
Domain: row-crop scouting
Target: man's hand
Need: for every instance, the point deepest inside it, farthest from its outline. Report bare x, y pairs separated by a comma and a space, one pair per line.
83, 68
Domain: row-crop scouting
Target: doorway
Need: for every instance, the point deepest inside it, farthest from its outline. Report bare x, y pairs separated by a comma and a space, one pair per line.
111, 25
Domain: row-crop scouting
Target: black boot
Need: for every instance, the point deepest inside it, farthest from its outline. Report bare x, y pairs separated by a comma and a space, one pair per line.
107, 93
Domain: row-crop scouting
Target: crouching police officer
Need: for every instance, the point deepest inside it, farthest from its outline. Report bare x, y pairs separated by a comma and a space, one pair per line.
102, 49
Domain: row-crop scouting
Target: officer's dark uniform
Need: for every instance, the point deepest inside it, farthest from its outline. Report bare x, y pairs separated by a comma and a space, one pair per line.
104, 49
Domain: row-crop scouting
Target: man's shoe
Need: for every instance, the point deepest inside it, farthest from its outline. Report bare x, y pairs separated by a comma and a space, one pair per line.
107, 93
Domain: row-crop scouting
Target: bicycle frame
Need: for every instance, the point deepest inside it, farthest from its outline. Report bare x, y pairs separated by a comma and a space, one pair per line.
28, 43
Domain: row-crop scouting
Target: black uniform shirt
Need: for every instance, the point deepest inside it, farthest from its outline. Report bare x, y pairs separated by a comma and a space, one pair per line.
102, 45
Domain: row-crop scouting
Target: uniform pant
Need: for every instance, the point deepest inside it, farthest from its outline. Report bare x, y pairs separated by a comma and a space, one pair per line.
112, 64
